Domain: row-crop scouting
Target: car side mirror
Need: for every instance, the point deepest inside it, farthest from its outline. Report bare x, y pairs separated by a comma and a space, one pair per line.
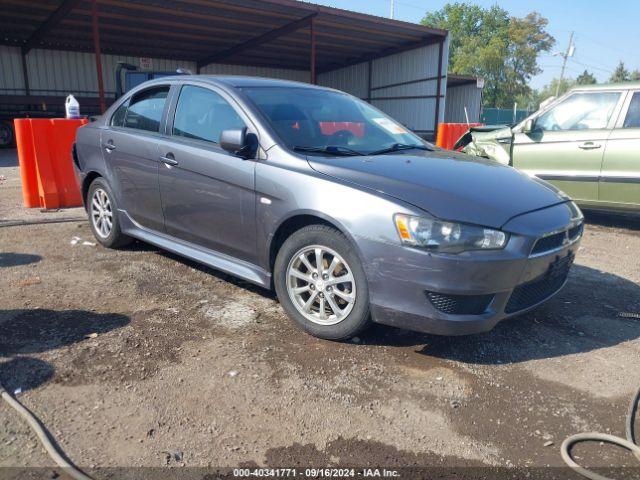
529, 126
239, 143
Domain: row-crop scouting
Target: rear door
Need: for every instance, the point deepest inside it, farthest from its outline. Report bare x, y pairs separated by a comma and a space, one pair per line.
567, 144
130, 147
620, 179
208, 195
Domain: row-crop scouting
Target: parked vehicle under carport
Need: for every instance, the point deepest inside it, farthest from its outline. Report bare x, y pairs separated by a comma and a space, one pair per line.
348, 214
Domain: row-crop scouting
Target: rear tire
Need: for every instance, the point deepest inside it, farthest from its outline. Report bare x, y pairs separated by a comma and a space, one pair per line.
331, 302
103, 215
7, 135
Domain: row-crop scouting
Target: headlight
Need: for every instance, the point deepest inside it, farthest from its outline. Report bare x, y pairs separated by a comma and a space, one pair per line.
447, 236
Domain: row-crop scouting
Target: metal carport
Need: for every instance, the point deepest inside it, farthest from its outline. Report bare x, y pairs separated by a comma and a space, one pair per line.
463, 92
50, 48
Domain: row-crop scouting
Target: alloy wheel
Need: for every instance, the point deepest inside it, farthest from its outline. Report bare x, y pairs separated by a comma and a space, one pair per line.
321, 285
101, 213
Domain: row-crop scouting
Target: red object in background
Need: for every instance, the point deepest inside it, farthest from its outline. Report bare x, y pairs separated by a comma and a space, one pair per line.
46, 166
449, 133
329, 128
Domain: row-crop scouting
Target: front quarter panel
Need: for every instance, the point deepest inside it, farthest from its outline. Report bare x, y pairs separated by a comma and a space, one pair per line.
292, 188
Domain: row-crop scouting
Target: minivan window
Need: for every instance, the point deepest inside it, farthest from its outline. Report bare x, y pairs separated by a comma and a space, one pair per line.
580, 111
632, 120
145, 109
202, 114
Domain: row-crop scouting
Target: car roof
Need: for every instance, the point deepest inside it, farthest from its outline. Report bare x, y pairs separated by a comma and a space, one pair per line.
609, 86
240, 81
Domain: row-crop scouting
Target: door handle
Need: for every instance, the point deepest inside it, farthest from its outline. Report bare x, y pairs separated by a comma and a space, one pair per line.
589, 146
109, 146
169, 159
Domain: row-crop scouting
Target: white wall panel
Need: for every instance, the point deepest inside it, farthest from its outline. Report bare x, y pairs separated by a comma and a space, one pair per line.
415, 114
458, 97
419, 67
11, 81
282, 73
427, 87
56, 72
353, 79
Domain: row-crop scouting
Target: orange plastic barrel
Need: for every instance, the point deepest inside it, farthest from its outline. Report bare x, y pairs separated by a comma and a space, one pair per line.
46, 167
449, 133
27, 162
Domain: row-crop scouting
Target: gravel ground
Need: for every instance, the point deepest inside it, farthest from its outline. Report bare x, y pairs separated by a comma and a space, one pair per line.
135, 357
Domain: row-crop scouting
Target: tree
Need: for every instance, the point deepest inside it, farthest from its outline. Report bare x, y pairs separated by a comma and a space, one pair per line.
586, 78
487, 42
635, 75
620, 74
549, 90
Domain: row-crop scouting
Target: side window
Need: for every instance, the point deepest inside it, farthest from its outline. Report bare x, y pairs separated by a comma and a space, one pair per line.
203, 114
632, 120
145, 109
117, 120
580, 111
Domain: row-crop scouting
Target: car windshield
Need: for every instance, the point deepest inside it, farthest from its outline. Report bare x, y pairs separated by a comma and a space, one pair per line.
321, 122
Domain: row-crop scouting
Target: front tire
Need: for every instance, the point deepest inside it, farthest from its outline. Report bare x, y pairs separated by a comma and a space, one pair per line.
321, 283
103, 215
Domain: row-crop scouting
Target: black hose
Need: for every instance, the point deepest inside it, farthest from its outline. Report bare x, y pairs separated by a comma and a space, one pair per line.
629, 443
47, 442
20, 223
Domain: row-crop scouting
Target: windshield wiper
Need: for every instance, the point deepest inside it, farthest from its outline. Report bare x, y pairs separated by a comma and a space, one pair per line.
396, 147
331, 150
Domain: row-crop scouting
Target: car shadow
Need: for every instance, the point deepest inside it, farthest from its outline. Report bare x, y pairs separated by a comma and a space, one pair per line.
24, 373
583, 317
11, 259
32, 331
27, 331
614, 220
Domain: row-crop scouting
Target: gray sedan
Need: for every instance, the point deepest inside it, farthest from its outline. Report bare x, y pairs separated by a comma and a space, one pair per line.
349, 216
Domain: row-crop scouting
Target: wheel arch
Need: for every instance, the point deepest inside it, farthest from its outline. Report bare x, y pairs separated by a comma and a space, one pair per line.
299, 220
86, 183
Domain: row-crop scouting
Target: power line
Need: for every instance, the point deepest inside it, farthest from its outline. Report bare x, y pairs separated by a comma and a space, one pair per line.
593, 67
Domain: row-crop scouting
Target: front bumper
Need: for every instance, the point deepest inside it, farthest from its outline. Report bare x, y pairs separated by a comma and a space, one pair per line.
407, 285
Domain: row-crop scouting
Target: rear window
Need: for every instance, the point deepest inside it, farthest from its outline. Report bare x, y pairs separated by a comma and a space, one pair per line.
146, 108
632, 120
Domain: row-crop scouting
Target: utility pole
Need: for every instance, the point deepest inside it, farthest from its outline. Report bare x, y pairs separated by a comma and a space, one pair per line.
565, 56
391, 8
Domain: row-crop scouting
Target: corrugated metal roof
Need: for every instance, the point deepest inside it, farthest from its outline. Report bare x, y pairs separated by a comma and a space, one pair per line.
196, 30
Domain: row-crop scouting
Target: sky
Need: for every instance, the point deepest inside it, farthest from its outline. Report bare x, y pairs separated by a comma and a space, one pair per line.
606, 31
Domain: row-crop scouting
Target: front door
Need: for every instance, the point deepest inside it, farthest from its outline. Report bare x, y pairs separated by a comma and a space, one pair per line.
567, 143
620, 179
130, 146
208, 195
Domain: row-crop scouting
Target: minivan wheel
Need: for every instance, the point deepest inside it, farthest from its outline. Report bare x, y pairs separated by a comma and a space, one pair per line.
321, 284
103, 215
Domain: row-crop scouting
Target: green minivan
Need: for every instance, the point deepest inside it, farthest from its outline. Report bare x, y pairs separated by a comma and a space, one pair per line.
586, 142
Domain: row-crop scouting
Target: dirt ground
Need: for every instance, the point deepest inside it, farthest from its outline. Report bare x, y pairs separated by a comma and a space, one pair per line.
136, 357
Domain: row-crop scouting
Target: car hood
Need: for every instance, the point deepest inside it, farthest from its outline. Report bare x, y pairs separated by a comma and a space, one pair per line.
448, 185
